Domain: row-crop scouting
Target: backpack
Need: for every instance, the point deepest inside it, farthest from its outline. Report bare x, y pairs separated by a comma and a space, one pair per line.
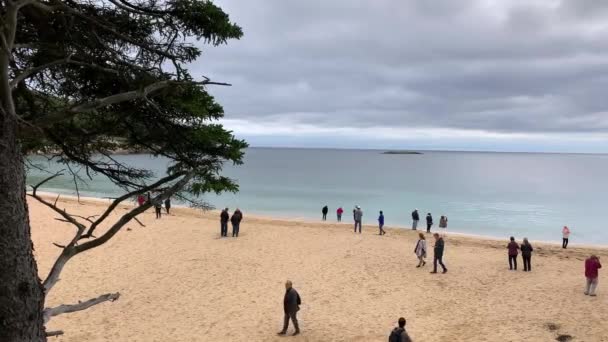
396, 335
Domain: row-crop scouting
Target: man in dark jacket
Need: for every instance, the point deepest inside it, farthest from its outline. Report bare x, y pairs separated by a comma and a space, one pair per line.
168, 204
224, 217
324, 211
399, 334
429, 222
236, 218
291, 306
438, 251
415, 219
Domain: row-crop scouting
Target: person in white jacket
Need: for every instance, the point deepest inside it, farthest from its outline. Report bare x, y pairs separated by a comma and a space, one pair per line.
420, 250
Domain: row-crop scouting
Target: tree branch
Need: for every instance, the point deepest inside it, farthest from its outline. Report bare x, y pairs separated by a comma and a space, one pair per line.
53, 206
116, 98
72, 249
68, 60
106, 27
61, 309
120, 199
131, 214
54, 333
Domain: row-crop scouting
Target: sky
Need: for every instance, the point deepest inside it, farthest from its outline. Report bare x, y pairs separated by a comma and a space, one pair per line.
504, 75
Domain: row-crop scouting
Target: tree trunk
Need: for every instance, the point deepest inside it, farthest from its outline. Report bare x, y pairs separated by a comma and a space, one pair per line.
21, 292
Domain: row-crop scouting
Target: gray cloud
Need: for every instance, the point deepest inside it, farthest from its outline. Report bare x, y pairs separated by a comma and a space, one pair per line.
507, 67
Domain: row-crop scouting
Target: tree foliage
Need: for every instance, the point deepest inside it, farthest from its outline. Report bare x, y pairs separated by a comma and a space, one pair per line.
111, 75
81, 79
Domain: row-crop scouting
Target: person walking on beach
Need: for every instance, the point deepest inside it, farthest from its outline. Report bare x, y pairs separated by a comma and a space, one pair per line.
358, 213
415, 219
399, 334
236, 218
339, 214
324, 211
381, 223
420, 250
592, 266
513, 247
168, 205
224, 217
526, 254
291, 306
429, 222
565, 236
438, 253
158, 207
443, 222
141, 200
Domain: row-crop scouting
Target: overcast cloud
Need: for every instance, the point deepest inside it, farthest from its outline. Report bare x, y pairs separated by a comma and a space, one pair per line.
468, 74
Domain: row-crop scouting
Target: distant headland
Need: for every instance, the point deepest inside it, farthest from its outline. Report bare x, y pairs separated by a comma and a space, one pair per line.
401, 152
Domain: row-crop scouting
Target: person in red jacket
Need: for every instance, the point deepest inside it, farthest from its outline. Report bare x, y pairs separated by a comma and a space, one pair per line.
592, 265
513, 247
339, 214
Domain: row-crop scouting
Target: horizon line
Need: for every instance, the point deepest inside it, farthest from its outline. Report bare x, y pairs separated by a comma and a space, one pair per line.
417, 150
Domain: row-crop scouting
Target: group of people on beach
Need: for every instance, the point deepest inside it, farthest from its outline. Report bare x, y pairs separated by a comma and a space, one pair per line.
358, 219
158, 204
235, 219
292, 300
443, 221
421, 249
526, 254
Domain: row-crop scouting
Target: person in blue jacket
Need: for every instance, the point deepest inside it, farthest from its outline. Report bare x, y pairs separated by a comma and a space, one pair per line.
381, 223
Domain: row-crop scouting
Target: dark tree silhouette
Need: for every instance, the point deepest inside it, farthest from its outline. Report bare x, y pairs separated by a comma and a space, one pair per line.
80, 79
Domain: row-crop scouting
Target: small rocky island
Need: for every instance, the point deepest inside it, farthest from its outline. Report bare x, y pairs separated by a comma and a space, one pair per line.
401, 152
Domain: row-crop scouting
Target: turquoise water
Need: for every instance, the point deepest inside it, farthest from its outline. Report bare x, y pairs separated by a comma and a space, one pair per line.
492, 194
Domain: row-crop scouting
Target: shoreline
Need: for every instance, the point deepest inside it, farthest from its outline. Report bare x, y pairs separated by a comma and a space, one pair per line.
305, 220
190, 284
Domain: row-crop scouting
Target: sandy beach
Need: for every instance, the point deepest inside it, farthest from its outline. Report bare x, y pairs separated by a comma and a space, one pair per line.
179, 281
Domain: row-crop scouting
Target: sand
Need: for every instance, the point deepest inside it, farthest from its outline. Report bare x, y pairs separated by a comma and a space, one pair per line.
180, 282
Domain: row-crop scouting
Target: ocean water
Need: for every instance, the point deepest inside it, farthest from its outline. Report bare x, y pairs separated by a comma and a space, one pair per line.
491, 194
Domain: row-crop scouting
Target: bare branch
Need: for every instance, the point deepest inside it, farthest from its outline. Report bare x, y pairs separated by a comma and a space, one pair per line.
138, 221
58, 245
72, 249
61, 212
61, 309
75, 180
88, 218
54, 333
120, 199
35, 187
131, 214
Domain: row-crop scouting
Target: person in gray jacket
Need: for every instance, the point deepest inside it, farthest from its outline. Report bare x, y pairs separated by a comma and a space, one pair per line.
358, 217
291, 306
